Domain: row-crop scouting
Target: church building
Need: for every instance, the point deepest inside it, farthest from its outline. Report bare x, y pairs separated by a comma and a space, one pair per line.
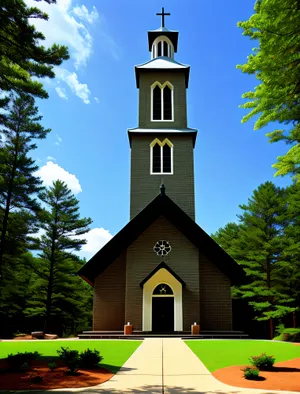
162, 272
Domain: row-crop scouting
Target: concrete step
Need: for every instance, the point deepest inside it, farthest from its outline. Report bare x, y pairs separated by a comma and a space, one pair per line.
141, 335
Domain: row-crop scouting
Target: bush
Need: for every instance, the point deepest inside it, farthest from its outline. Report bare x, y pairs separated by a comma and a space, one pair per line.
251, 373
90, 358
262, 362
291, 335
52, 366
70, 358
21, 360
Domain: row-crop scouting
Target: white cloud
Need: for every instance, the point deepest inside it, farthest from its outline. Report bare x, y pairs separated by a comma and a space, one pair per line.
96, 239
83, 13
63, 27
51, 172
61, 92
96, 99
71, 79
50, 158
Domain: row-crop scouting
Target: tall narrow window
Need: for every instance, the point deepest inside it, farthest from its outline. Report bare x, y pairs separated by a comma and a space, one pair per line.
161, 157
157, 103
159, 48
162, 102
167, 103
156, 159
165, 48
166, 159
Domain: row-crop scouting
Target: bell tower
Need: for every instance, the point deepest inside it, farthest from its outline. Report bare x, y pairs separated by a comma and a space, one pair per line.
162, 146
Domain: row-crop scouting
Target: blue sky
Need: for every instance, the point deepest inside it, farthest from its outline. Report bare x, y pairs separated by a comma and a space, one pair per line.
93, 101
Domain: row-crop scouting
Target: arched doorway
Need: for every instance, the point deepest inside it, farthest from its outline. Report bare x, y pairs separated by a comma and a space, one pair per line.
162, 308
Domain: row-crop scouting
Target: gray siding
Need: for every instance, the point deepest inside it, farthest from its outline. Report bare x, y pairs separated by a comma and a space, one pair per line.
144, 187
177, 79
141, 260
109, 297
215, 296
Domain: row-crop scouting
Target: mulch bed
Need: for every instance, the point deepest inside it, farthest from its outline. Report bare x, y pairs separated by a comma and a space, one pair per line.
51, 380
285, 376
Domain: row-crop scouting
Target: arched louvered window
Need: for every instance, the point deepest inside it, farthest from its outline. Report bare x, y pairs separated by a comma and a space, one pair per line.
162, 46
161, 157
162, 102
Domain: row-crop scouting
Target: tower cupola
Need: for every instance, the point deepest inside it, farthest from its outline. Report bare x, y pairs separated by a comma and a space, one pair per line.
162, 41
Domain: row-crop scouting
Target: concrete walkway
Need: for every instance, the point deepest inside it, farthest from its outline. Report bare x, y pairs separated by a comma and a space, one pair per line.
165, 366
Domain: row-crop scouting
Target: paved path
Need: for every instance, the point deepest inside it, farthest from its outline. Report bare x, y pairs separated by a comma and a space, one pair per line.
165, 366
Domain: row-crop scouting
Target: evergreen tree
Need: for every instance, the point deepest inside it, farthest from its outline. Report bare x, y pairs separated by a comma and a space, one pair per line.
257, 247
19, 186
289, 266
276, 64
23, 58
58, 264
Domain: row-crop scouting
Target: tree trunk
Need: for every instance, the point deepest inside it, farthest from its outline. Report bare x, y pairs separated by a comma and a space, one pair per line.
7, 207
51, 274
294, 320
271, 328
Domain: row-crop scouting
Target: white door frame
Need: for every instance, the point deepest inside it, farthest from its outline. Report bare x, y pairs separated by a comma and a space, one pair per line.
162, 276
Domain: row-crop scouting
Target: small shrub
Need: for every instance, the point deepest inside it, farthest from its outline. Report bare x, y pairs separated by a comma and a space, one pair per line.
19, 361
70, 358
90, 358
291, 335
52, 366
251, 373
262, 362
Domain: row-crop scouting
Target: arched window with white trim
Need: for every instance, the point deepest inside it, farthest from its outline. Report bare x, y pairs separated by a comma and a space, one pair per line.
162, 46
161, 157
162, 98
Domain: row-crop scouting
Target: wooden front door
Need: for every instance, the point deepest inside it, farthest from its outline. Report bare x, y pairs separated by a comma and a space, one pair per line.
162, 314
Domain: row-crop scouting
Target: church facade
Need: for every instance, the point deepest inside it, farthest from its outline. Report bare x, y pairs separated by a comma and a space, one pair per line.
162, 272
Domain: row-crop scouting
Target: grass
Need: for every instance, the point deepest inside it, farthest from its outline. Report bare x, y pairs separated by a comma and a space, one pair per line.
216, 354
114, 353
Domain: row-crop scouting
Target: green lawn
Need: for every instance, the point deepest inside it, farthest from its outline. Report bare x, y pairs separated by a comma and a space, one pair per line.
114, 353
216, 354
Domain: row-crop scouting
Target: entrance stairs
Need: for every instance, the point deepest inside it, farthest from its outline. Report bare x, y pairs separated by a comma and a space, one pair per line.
138, 335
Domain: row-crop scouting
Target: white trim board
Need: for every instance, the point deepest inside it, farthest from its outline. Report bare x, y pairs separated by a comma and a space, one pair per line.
162, 276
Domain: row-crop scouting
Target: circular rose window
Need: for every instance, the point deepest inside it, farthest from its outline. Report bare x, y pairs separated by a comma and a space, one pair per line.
162, 248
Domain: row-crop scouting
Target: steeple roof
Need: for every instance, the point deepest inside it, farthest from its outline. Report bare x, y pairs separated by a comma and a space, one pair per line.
162, 63
163, 31
162, 205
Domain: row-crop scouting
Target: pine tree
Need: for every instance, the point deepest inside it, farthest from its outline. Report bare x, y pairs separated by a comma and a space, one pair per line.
289, 266
257, 247
276, 64
58, 264
23, 58
19, 186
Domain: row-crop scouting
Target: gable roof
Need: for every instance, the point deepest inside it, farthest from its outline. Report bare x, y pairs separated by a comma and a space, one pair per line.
160, 266
162, 205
